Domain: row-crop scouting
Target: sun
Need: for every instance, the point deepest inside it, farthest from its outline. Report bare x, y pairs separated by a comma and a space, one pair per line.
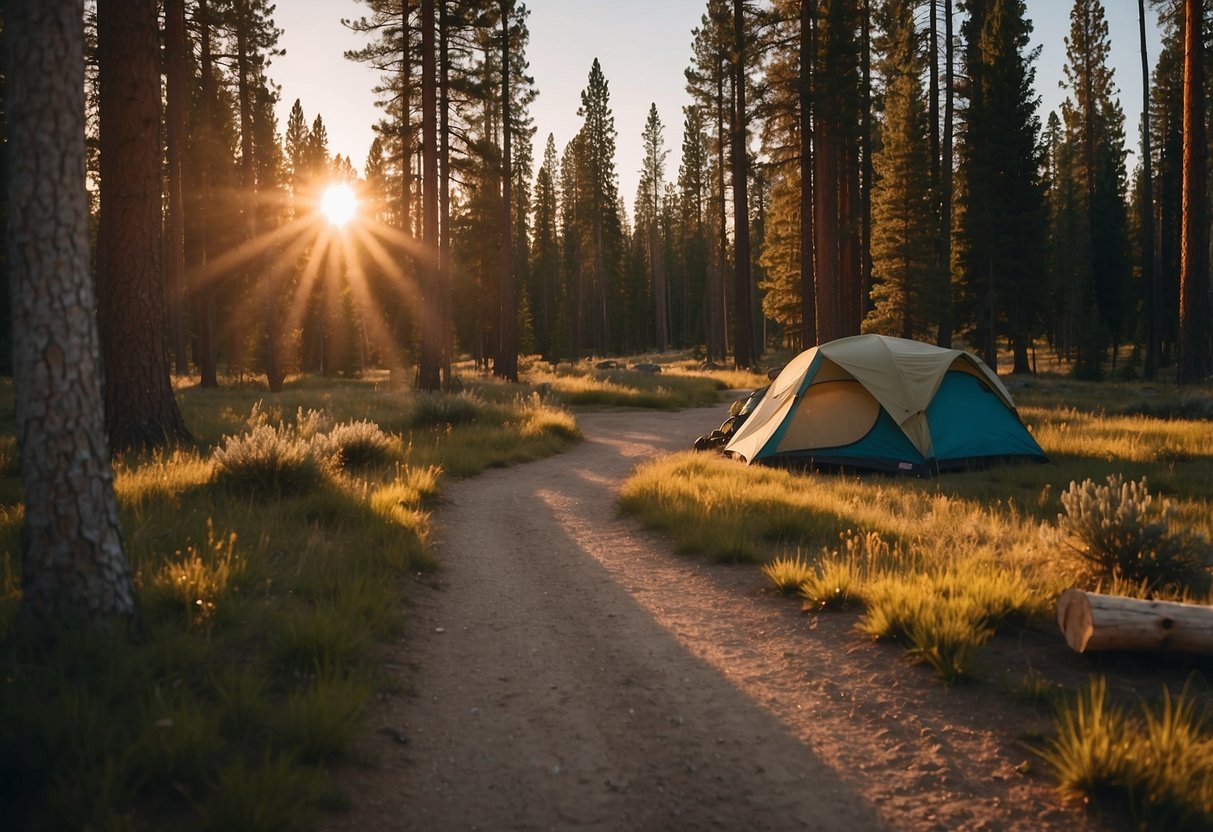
339, 204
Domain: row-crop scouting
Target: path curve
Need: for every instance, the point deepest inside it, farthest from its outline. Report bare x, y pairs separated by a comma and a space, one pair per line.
567, 671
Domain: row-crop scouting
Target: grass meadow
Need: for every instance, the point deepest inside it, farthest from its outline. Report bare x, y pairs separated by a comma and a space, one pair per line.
939, 566
270, 559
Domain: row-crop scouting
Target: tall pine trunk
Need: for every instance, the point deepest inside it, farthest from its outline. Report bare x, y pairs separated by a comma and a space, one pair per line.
1194, 357
140, 408
505, 365
204, 294
1149, 276
444, 188
743, 337
72, 564
807, 58
429, 374
825, 231
944, 337
176, 131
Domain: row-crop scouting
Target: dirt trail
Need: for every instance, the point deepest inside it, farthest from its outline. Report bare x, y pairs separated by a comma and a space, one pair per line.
570, 672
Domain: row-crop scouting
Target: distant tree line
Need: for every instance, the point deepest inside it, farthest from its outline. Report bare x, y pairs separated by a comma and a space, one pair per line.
846, 166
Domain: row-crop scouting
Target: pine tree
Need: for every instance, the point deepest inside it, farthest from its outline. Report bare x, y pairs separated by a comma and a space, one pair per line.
693, 197
836, 175
1149, 275
707, 82
743, 341
545, 286
1166, 143
176, 84
140, 408
73, 569
1194, 314
648, 221
1002, 227
391, 51
598, 192
906, 295
1095, 124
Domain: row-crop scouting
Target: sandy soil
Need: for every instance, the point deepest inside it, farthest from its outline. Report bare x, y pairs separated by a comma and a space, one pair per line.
566, 670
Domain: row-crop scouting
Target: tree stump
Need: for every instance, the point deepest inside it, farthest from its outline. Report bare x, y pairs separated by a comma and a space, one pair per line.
1093, 622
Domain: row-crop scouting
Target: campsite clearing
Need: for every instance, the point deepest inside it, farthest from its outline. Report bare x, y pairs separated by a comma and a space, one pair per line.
567, 670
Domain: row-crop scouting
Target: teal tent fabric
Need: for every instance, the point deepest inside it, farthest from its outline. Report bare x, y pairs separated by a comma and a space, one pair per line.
969, 423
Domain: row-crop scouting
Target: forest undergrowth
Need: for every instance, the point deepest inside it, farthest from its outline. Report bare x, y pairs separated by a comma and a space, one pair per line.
271, 558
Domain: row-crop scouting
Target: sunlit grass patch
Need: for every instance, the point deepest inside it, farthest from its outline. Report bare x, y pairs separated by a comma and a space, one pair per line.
787, 574
194, 583
1156, 762
167, 474
582, 385
1090, 753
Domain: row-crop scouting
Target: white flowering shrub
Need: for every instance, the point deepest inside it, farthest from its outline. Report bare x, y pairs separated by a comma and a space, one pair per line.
272, 459
356, 445
1121, 531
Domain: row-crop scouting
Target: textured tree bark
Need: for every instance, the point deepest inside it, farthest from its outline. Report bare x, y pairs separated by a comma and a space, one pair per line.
176, 93
807, 55
139, 404
944, 338
429, 373
207, 354
72, 564
1194, 359
505, 364
825, 230
1149, 276
743, 338
444, 189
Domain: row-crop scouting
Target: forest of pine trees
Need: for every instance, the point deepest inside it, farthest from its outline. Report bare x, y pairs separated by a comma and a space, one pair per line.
846, 166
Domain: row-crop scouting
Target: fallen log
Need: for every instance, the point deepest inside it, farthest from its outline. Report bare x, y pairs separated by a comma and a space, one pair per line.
1092, 622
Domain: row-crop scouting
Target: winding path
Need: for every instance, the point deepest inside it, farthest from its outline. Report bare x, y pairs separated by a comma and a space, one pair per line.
567, 671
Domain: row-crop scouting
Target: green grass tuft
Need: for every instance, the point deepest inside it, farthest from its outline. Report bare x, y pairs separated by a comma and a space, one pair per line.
787, 574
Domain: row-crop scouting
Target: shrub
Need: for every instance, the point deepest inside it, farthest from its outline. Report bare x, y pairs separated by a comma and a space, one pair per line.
435, 410
269, 460
1194, 407
1121, 532
358, 444
841, 575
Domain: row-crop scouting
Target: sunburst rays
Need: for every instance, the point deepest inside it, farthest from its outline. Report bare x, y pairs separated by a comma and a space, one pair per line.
312, 258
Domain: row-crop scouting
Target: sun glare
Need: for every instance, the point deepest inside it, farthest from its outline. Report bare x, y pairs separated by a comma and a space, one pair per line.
339, 204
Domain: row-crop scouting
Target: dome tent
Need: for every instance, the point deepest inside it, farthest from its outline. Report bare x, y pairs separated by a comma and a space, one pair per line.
872, 402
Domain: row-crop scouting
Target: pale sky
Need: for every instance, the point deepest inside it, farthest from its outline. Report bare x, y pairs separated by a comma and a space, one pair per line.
643, 46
